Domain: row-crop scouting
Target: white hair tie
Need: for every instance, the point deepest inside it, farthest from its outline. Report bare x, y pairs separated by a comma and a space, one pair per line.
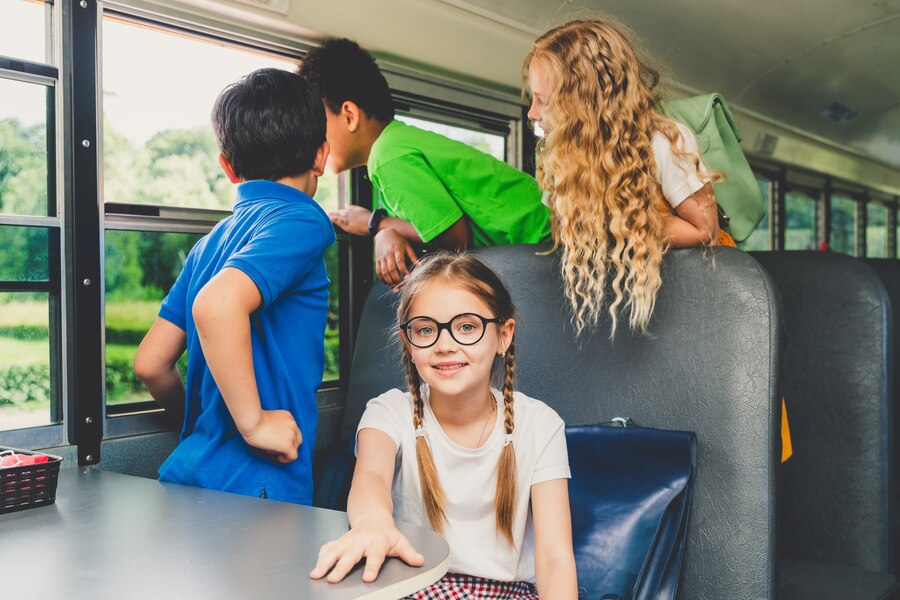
508, 440
420, 432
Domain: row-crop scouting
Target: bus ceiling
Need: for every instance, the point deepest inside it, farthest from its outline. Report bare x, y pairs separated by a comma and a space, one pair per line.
822, 72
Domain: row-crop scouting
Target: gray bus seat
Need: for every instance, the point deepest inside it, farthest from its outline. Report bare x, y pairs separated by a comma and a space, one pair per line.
834, 492
888, 271
710, 366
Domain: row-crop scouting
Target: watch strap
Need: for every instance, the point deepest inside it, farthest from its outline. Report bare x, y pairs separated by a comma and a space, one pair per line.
375, 220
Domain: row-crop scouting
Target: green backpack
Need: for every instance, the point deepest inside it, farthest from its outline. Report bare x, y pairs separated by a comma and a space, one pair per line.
718, 138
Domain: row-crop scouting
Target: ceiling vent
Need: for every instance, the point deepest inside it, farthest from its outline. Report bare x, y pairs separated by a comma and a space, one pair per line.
839, 113
765, 144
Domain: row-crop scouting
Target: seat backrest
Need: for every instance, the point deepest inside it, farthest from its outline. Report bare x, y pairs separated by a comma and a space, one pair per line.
888, 271
834, 491
710, 366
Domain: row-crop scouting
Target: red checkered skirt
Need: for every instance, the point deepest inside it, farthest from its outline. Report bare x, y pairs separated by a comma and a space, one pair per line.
454, 586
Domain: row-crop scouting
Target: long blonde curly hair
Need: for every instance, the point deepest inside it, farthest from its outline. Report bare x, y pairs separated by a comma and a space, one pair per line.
597, 160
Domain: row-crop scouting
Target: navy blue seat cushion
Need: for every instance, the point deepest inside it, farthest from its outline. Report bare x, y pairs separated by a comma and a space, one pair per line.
630, 497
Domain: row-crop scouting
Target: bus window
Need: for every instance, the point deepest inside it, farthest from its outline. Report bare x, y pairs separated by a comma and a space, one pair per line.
876, 230
29, 225
24, 254
801, 215
24, 31
159, 146
26, 386
489, 143
843, 225
760, 239
24, 157
160, 158
141, 266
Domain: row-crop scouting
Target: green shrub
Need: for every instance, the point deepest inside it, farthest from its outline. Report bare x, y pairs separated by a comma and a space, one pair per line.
25, 332
120, 379
121, 382
20, 384
131, 337
332, 357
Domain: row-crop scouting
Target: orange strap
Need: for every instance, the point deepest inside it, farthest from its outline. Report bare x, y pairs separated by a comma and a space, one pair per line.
725, 239
787, 450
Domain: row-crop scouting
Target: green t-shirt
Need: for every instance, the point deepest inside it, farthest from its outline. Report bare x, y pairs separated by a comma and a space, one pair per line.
431, 181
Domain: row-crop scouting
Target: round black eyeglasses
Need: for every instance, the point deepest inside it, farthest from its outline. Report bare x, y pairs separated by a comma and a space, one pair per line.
466, 329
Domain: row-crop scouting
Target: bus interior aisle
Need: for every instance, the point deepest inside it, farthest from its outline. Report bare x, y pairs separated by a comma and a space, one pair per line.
109, 175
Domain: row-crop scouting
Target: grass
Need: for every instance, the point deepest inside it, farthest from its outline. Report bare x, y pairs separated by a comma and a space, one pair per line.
131, 315
120, 352
21, 352
119, 315
135, 316
29, 312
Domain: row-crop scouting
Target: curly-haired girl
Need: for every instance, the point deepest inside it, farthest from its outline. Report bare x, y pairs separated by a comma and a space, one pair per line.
607, 159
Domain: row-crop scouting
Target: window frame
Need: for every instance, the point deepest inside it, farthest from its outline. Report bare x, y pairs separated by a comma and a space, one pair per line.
816, 196
859, 219
789, 179
49, 75
870, 201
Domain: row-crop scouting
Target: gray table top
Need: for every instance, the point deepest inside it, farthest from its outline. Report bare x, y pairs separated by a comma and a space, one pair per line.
116, 536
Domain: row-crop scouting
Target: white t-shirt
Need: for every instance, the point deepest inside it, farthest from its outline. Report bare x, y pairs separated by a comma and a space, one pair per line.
677, 174
469, 479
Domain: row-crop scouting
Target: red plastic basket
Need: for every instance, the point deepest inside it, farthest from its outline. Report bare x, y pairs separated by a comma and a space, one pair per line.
28, 486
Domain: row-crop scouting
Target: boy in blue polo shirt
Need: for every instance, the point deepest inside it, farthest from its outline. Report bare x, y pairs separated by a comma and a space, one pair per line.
250, 304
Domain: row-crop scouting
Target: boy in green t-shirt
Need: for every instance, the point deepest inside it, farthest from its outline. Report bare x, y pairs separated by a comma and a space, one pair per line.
434, 190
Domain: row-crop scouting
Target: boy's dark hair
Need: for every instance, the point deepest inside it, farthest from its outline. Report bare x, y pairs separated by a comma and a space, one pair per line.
343, 71
269, 125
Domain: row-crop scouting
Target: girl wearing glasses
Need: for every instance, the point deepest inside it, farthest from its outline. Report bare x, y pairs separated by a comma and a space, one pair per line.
485, 467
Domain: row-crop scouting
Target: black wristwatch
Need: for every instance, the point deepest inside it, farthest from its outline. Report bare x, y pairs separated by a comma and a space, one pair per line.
375, 220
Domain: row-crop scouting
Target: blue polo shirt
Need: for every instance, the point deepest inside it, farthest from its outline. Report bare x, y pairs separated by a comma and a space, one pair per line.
276, 236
